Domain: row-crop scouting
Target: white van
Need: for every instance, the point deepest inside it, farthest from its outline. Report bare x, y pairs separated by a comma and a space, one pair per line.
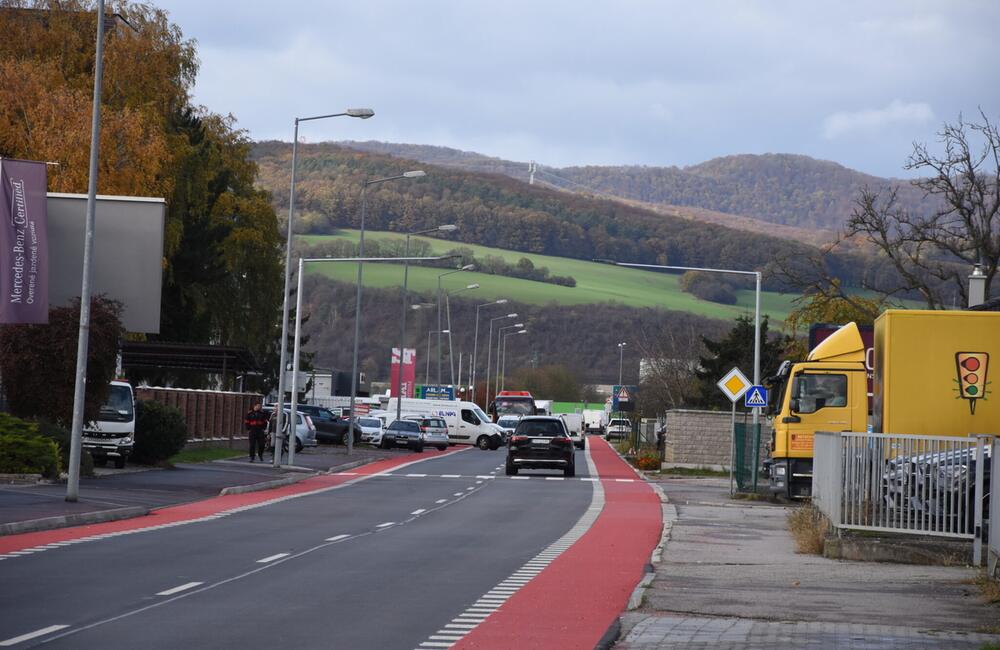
112, 435
467, 424
574, 424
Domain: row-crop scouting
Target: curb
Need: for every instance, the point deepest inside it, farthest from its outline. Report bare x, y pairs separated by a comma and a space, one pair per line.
265, 485
65, 521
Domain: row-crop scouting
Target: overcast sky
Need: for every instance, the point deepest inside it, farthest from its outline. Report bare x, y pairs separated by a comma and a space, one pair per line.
615, 82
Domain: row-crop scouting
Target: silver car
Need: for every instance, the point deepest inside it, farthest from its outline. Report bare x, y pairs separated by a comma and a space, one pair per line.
433, 429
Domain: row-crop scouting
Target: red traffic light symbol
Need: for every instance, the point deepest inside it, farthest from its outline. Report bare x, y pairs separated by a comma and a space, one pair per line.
972, 363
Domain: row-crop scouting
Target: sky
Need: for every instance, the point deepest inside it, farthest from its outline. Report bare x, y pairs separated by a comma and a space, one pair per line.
622, 82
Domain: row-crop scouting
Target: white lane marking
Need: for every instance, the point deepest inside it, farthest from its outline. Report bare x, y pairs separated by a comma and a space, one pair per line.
32, 635
416, 475
624, 480
547, 478
588, 479
495, 598
178, 589
336, 538
457, 494
443, 637
441, 501
386, 524
451, 476
470, 488
272, 558
415, 512
479, 482
435, 644
520, 478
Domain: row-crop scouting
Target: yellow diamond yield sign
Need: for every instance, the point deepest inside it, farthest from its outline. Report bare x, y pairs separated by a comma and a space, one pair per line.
734, 384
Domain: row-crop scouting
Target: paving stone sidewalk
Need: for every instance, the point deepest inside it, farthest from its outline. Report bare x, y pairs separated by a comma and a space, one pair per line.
730, 578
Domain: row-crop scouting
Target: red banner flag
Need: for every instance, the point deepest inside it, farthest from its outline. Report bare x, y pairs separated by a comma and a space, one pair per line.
409, 372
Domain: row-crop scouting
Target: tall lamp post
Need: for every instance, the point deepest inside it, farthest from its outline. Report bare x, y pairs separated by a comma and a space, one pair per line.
361, 113
500, 332
621, 359
756, 311
467, 267
293, 407
427, 369
503, 371
447, 306
357, 304
475, 343
402, 318
489, 354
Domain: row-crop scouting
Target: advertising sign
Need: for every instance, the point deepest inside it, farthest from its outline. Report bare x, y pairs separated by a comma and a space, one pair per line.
409, 372
24, 243
437, 392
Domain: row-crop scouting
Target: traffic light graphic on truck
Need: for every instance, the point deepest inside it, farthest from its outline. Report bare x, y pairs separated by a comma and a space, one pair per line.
972, 382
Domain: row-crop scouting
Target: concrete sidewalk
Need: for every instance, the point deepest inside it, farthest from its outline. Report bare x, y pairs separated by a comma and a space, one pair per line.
121, 494
730, 578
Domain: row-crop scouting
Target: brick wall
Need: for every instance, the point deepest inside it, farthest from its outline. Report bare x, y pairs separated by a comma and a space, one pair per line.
704, 438
208, 413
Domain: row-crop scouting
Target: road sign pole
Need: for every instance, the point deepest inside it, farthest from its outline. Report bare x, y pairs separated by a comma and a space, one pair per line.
732, 448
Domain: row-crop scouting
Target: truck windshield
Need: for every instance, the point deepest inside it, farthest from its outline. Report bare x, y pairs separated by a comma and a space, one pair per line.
515, 406
813, 392
118, 407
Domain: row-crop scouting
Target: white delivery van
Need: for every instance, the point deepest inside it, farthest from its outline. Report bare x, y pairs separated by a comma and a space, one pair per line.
574, 423
594, 420
467, 424
113, 434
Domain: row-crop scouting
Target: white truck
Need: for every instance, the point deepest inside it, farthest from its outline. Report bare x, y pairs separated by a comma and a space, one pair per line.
112, 435
467, 424
594, 420
574, 423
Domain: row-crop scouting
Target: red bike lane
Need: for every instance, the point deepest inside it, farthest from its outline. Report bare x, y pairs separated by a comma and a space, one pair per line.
198, 510
573, 602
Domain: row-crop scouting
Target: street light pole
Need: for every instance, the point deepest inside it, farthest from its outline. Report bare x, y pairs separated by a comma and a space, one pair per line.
427, 369
364, 114
489, 354
621, 358
447, 305
402, 317
475, 343
756, 312
503, 372
499, 339
357, 303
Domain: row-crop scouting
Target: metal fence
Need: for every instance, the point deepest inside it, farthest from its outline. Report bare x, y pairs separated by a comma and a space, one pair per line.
925, 485
746, 455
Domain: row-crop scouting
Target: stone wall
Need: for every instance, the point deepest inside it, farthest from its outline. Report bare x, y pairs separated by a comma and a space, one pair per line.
704, 438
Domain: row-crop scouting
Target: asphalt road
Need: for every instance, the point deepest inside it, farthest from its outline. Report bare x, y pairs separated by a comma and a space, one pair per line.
382, 563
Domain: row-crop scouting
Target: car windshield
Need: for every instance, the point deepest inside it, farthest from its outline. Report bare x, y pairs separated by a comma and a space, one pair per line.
540, 428
434, 422
370, 422
118, 408
508, 423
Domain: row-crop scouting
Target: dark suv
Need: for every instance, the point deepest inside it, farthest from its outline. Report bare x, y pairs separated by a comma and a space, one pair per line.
541, 441
329, 427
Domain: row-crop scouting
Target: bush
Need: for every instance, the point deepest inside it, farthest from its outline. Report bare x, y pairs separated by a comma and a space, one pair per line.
648, 462
709, 287
808, 527
28, 454
61, 436
12, 425
160, 432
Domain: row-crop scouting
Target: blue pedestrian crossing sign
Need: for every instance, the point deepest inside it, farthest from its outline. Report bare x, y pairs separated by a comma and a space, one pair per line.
755, 397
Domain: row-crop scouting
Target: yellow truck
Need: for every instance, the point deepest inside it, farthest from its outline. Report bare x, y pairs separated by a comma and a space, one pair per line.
931, 378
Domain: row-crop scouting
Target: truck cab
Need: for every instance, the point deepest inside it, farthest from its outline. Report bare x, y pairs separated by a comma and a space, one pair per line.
827, 392
112, 435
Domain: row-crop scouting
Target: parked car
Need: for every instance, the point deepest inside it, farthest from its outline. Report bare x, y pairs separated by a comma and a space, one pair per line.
434, 430
619, 428
541, 442
403, 433
305, 430
330, 428
371, 430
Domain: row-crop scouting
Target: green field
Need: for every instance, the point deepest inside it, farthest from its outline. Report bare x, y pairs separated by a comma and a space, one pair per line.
595, 282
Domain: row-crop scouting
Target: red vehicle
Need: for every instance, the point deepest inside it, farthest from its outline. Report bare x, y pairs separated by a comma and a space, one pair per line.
513, 402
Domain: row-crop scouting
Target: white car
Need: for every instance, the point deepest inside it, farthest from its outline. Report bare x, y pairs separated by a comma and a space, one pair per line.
619, 428
371, 430
508, 423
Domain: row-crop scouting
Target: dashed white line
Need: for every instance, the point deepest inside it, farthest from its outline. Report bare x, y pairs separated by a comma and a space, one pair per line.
441, 501
32, 635
413, 475
457, 494
547, 478
451, 476
417, 511
470, 488
624, 480
272, 558
386, 524
336, 538
178, 589
521, 478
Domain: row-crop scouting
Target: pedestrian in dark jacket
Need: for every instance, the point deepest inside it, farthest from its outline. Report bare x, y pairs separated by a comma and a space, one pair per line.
256, 423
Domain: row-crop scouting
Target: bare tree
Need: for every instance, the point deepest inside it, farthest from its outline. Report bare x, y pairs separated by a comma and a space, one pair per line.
931, 252
670, 356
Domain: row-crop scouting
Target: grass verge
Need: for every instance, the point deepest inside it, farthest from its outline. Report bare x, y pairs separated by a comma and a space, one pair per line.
989, 587
808, 527
204, 454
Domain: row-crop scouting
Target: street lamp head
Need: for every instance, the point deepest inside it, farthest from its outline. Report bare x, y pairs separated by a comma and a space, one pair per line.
474, 285
622, 344
363, 113
445, 331
468, 267
449, 227
502, 301
523, 332
416, 173
511, 315
518, 324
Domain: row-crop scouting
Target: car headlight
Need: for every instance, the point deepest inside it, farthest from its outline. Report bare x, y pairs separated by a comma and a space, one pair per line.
779, 470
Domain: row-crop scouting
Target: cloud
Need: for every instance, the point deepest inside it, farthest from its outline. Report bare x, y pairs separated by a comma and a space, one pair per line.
872, 120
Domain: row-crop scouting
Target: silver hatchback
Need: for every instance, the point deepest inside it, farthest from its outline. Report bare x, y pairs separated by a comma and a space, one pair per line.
433, 429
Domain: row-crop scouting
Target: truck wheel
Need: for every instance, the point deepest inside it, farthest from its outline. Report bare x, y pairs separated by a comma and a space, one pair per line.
483, 442
120, 462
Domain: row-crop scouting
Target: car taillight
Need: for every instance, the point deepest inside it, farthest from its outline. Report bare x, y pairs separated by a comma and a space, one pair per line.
309, 423
519, 438
562, 441
424, 429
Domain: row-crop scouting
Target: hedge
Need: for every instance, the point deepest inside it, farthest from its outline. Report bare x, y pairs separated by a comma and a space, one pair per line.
28, 454
160, 432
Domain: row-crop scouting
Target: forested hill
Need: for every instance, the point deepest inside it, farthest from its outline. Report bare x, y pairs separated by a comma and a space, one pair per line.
495, 210
783, 189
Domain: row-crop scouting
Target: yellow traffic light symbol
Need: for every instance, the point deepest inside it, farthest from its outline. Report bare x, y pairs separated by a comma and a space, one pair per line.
972, 367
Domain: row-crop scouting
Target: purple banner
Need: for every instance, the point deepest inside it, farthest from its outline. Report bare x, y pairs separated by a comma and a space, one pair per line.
24, 243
